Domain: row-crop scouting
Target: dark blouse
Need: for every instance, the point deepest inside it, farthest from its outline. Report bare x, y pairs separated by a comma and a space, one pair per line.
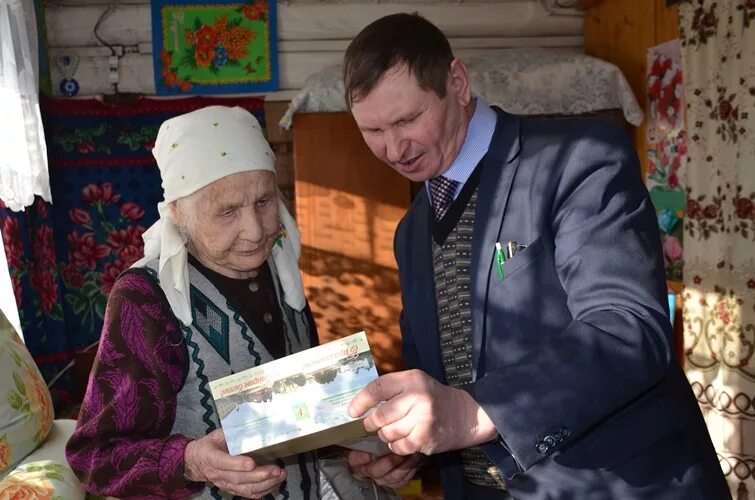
255, 299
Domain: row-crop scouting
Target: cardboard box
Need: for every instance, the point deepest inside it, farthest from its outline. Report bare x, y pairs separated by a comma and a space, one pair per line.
297, 403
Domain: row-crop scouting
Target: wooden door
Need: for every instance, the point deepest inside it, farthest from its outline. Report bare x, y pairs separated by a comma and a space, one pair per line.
348, 204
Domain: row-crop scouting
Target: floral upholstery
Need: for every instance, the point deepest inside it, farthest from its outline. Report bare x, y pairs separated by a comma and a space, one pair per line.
45, 474
32, 445
25, 406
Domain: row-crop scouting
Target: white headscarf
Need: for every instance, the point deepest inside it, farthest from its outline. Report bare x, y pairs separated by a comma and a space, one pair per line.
194, 150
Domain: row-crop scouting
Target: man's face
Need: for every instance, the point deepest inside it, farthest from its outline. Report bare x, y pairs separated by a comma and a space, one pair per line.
413, 130
236, 223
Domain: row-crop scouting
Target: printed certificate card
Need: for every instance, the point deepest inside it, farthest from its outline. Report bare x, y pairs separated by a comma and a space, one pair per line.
297, 403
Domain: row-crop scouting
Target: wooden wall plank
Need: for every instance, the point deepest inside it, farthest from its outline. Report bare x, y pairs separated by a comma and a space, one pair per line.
136, 73
311, 35
621, 32
347, 213
71, 26
666, 22
523, 18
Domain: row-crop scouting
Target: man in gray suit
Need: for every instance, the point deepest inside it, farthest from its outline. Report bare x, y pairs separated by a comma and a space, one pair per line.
534, 303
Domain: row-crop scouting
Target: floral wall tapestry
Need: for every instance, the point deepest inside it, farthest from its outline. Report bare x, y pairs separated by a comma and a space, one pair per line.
667, 141
718, 53
64, 258
218, 47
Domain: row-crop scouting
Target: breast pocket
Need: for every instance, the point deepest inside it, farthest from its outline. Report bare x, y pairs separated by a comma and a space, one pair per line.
524, 308
523, 258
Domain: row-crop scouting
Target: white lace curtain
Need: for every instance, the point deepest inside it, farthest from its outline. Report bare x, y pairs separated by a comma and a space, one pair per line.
23, 155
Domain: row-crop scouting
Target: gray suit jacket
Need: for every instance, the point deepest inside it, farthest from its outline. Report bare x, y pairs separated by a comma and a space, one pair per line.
572, 351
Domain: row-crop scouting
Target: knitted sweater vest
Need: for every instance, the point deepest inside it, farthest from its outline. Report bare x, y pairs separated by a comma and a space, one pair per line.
220, 343
452, 262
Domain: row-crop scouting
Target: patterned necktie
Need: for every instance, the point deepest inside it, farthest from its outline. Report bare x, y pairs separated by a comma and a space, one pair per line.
442, 193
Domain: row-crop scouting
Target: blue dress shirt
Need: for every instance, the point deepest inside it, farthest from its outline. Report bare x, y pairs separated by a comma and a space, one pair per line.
476, 144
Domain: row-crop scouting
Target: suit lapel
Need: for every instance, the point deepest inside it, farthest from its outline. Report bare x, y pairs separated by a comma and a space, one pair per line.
498, 169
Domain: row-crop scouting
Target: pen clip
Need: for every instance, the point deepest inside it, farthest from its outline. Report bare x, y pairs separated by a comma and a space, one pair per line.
512, 247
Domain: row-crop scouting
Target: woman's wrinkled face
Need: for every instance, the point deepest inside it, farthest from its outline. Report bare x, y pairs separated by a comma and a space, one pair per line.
234, 224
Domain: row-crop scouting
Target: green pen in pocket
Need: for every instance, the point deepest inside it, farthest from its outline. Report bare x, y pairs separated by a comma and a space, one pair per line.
500, 258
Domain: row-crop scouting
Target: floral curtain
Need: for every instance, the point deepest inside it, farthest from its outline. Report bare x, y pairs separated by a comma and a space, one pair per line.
718, 54
63, 258
23, 162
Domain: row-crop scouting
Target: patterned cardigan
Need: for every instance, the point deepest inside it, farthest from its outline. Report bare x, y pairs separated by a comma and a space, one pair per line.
122, 446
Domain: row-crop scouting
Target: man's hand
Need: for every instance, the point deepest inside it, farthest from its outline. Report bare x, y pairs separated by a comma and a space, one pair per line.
207, 460
391, 470
421, 415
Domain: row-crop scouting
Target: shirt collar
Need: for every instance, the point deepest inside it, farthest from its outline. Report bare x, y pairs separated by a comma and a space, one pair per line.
476, 144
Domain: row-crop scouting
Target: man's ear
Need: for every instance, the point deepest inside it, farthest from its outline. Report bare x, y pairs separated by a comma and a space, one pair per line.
458, 83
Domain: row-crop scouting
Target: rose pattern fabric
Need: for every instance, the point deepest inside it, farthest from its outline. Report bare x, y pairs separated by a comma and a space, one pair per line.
64, 258
40, 266
665, 91
718, 50
19, 487
102, 243
667, 149
6, 453
26, 411
41, 480
30, 397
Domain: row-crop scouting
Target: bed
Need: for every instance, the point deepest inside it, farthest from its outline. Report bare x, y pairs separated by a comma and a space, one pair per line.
348, 203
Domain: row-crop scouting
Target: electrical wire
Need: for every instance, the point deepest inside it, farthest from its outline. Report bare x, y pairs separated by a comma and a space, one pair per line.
108, 11
104, 15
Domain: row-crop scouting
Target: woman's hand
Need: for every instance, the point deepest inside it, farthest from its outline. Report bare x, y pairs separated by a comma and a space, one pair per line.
207, 460
391, 470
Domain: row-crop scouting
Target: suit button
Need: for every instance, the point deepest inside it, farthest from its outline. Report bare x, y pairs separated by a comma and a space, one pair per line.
564, 432
550, 441
542, 448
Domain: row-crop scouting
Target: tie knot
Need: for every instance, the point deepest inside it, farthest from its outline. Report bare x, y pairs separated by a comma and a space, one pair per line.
442, 192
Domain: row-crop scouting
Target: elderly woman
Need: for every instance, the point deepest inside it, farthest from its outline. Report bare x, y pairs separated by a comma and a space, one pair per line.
218, 291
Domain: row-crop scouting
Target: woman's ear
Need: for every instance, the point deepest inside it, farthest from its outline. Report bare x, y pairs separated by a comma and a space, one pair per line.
179, 219
175, 213
458, 82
